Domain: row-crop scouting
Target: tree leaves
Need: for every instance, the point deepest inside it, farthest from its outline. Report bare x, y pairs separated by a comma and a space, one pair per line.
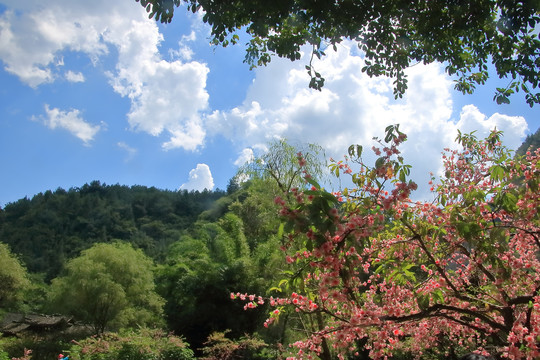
392, 36
109, 285
463, 264
14, 279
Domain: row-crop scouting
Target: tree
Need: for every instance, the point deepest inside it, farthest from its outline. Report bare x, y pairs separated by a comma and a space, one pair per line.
393, 35
53, 227
198, 275
531, 143
13, 278
109, 286
280, 165
392, 276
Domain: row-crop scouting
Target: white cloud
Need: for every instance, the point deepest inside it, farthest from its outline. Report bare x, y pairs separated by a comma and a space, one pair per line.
352, 108
131, 152
166, 97
171, 99
200, 178
33, 34
72, 122
514, 127
189, 136
191, 37
74, 76
246, 156
184, 52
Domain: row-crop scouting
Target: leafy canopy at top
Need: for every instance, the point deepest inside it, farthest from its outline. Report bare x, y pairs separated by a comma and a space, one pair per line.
393, 35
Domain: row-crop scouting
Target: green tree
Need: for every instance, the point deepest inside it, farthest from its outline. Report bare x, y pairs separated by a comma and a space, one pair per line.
231, 243
109, 286
395, 277
256, 207
531, 143
53, 227
280, 165
198, 276
13, 279
190, 282
393, 35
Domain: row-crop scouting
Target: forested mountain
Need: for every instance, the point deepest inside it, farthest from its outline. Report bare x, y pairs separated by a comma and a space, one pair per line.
52, 227
531, 143
203, 246
121, 258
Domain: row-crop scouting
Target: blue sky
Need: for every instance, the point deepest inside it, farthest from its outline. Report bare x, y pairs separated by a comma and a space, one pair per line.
94, 90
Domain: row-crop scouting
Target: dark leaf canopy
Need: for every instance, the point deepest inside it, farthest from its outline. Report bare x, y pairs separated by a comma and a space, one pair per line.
393, 34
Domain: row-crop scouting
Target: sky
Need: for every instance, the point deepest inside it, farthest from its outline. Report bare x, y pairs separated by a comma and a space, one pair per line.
94, 90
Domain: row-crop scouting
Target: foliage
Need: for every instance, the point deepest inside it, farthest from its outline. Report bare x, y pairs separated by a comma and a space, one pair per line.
279, 164
3, 355
233, 246
42, 347
142, 344
198, 275
384, 274
256, 208
13, 278
393, 35
27, 355
219, 347
531, 143
109, 285
52, 227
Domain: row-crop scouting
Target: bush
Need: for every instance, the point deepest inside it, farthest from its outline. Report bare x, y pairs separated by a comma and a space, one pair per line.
42, 348
219, 347
143, 344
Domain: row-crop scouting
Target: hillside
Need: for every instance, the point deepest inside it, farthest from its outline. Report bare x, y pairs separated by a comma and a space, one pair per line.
54, 226
532, 142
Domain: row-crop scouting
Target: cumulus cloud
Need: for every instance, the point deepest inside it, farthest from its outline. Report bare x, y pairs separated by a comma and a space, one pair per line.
166, 97
184, 52
34, 34
514, 127
171, 99
200, 178
71, 121
74, 76
352, 108
246, 156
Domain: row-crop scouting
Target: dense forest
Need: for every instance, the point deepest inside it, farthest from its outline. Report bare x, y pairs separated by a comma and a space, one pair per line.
131, 264
531, 143
56, 225
202, 246
181, 230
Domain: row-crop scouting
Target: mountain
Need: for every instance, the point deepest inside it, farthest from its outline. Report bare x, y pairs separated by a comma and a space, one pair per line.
52, 227
531, 143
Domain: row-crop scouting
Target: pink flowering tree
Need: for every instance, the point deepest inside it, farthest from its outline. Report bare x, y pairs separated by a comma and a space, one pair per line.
377, 272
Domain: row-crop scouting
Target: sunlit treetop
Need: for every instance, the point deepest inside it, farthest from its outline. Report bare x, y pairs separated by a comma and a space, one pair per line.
463, 35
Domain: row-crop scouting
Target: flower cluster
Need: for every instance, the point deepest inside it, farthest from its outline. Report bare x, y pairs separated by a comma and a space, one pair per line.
395, 275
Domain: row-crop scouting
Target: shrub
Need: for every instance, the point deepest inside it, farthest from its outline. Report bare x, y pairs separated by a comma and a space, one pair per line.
219, 347
143, 344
